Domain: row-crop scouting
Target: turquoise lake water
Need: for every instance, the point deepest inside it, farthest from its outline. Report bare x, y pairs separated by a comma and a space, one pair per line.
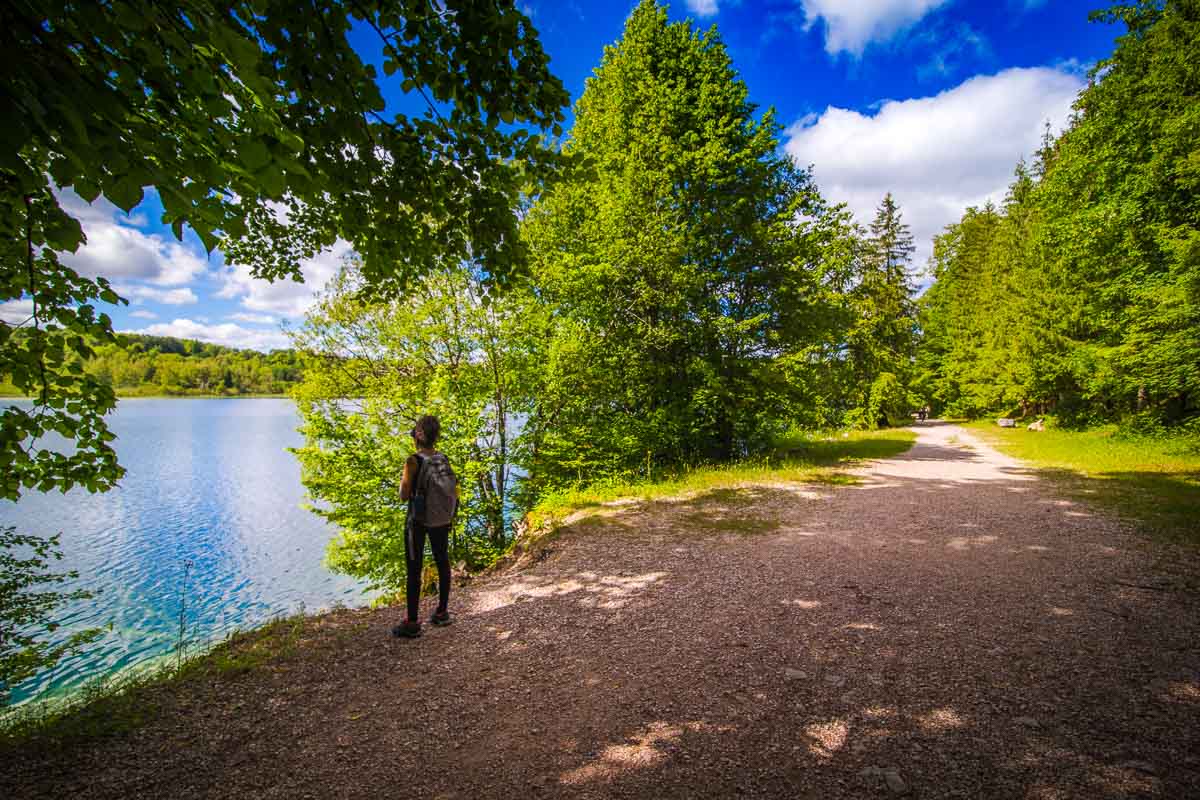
207, 518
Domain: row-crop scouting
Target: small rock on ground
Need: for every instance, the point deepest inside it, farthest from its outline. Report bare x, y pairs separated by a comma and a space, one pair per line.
894, 782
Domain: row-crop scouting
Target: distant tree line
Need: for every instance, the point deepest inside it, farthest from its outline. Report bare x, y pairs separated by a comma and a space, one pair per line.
140, 364
137, 364
1079, 296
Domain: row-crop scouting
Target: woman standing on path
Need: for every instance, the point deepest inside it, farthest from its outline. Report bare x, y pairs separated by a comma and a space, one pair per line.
431, 490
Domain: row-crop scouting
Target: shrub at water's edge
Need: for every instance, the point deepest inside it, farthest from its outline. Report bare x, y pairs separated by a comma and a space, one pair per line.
28, 601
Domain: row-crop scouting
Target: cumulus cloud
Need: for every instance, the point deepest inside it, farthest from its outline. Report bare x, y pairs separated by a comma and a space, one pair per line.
936, 155
15, 312
257, 319
703, 8
170, 297
142, 313
118, 249
227, 334
284, 298
851, 26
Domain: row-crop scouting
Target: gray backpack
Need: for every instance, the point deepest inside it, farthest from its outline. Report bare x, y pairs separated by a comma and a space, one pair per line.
434, 497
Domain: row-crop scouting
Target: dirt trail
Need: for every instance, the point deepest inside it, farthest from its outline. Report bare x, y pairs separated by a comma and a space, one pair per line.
948, 628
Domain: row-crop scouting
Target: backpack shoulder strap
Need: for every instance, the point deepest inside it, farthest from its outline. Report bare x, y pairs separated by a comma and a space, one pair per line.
420, 473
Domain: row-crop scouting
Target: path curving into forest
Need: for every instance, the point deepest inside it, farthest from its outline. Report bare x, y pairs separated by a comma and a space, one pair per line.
950, 627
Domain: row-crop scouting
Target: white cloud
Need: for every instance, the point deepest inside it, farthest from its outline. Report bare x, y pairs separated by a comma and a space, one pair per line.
285, 298
117, 249
852, 24
949, 49
703, 8
15, 312
142, 313
171, 297
227, 334
936, 155
257, 319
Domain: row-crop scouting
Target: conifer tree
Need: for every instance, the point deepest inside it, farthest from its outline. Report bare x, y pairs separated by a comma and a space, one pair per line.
1084, 298
882, 337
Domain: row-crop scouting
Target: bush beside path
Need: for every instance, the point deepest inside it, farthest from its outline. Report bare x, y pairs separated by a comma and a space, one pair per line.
947, 627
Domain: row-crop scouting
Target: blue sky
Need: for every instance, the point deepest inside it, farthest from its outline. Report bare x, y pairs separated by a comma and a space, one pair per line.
932, 100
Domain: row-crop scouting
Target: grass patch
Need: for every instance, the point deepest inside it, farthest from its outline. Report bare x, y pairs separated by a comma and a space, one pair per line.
119, 704
1152, 480
738, 525
798, 458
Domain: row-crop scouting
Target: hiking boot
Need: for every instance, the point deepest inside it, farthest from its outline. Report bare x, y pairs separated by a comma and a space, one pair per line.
440, 618
407, 629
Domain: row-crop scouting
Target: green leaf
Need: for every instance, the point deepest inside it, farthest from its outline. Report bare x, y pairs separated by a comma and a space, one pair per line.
125, 193
254, 154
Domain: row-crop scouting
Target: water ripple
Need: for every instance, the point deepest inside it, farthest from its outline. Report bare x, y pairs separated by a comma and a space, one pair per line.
207, 520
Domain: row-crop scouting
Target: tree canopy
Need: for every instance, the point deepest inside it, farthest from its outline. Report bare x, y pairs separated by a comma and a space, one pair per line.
265, 132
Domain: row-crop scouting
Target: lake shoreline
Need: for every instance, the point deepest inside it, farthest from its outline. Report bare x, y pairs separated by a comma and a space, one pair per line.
207, 526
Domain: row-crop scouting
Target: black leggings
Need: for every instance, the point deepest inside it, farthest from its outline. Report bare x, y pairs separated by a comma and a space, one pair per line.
414, 556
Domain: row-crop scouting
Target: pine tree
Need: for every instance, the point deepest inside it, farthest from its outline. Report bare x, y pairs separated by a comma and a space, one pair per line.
882, 338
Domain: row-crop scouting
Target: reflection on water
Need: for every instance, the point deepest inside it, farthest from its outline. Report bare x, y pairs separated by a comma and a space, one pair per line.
208, 515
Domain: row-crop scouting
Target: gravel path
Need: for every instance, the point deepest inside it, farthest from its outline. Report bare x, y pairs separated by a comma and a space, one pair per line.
947, 628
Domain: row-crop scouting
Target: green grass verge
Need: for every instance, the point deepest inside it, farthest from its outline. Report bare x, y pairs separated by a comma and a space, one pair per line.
1152, 480
118, 704
798, 458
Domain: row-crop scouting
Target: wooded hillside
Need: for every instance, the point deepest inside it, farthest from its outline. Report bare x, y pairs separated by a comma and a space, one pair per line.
161, 365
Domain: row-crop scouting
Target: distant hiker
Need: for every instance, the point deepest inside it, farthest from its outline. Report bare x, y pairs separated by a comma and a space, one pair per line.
431, 490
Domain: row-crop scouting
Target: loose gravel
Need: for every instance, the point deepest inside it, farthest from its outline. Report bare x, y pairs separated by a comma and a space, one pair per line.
948, 628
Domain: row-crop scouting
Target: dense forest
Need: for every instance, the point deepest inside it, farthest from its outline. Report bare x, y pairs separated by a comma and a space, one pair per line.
136, 364
1079, 296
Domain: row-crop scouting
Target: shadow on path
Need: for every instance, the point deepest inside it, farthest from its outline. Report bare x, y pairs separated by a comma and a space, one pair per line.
949, 628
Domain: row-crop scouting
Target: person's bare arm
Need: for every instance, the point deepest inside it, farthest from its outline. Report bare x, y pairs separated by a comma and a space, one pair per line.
406, 483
